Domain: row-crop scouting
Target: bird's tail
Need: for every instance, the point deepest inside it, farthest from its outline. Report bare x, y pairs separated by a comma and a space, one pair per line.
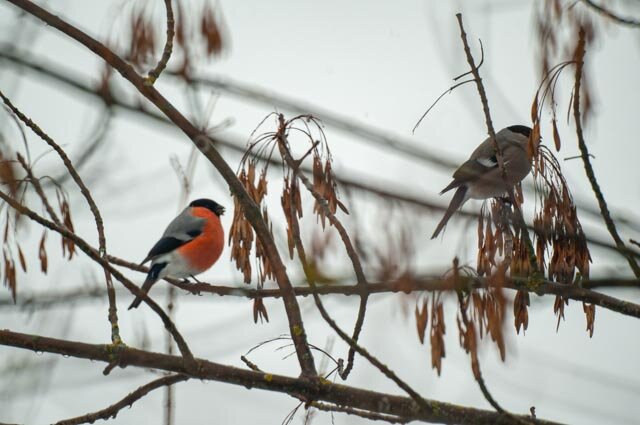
456, 202
152, 278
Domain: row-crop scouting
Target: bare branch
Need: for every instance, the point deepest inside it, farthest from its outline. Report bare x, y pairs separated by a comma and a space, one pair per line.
613, 16
154, 74
112, 411
356, 412
38, 188
300, 388
604, 209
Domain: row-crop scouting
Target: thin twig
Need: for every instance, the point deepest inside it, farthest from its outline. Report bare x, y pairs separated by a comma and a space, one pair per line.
447, 91
113, 309
604, 209
477, 372
356, 412
38, 188
609, 14
154, 74
112, 411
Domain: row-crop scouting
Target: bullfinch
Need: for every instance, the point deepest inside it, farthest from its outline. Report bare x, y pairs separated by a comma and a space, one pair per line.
480, 176
191, 244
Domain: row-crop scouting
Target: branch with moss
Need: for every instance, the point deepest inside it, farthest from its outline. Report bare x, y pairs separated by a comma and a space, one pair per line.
300, 388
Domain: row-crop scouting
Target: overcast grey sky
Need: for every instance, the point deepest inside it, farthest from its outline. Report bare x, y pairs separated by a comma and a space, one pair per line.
381, 64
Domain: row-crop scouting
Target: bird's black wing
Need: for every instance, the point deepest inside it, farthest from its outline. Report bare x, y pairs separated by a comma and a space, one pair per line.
163, 246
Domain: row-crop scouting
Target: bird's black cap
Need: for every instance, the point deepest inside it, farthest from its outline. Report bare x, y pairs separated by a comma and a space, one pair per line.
522, 129
208, 204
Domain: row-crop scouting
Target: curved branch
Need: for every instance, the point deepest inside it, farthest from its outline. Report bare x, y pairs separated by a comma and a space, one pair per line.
609, 14
604, 209
301, 388
112, 411
154, 74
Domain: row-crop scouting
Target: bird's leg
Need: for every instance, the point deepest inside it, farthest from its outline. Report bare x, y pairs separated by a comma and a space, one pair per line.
194, 278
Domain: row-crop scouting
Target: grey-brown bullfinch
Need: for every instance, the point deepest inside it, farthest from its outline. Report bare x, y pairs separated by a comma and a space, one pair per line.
191, 244
480, 176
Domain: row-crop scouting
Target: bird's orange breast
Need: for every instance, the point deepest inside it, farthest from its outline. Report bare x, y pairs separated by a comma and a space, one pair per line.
205, 249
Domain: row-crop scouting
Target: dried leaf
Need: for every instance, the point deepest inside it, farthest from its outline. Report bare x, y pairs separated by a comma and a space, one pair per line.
590, 312
556, 135
42, 253
259, 311
520, 311
23, 263
422, 317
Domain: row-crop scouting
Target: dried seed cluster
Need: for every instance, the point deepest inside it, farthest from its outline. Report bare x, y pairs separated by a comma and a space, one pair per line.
199, 34
241, 234
437, 329
11, 251
555, 19
241, 237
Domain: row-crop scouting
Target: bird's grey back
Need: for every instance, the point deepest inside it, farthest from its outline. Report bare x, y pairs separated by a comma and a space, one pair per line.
505, 138
184, 226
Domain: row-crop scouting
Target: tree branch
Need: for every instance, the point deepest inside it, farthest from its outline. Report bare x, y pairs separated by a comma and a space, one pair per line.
154, 74
609, 14
112, 411
304, 389
580, 52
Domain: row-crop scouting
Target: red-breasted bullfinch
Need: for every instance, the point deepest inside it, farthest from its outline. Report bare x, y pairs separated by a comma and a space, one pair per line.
191, 244
480, 176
